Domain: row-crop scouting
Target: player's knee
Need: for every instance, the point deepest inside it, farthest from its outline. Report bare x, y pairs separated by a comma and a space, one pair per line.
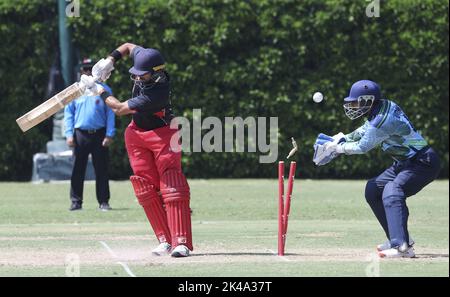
392, 194
372, 192
174, 186
392, 189
144, 190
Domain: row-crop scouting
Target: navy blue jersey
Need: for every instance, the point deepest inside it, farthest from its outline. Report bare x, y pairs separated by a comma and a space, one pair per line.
151, 101
153, 107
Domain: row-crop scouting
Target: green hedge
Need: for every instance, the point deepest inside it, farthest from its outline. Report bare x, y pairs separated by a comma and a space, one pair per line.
28, 34
243, 58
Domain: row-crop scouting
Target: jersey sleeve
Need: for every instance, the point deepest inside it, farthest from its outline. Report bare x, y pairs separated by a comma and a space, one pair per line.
357, 134
110, 122
69, 119
374, 134
137, 103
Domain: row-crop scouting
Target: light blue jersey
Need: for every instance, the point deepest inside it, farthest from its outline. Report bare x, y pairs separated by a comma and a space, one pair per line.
89, 113
389, 127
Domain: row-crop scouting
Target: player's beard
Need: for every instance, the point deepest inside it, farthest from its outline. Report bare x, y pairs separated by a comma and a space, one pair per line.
140, 85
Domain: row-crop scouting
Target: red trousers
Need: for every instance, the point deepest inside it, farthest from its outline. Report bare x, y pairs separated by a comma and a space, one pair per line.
159, 184
150, 152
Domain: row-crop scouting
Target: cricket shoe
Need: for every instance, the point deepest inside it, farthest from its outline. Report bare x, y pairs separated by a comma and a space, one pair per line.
162, 249
104, 206
407, 252
180, 251
387, 245
75, 206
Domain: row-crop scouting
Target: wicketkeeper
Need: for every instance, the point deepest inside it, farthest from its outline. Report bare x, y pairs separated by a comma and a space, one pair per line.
159, 184
415, 163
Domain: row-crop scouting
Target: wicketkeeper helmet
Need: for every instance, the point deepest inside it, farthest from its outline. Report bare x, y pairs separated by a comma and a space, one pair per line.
365, 93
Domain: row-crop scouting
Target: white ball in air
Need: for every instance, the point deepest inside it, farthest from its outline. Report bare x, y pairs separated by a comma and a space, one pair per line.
317, 97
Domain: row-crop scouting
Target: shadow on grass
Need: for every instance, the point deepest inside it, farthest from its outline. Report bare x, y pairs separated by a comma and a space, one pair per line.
243, 254
432, 256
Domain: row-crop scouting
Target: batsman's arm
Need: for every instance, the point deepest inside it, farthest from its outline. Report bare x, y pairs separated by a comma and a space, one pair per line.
119, 108
123, 50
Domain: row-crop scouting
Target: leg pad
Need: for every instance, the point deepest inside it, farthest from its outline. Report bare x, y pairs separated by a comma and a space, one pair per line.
176, 197
149, 199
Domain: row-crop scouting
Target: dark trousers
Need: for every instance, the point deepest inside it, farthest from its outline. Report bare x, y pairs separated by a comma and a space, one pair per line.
89, 142
387, 193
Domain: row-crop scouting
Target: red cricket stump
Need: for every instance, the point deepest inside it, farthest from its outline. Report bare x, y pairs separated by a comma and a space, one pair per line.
280, 207
284, 203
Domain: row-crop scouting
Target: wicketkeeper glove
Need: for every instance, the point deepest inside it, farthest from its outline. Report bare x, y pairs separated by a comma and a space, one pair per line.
326, 148
340, 137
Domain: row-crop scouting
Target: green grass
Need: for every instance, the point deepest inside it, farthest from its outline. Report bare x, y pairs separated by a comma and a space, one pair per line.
332, 232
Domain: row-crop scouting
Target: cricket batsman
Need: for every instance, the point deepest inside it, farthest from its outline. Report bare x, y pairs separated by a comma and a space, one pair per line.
159, 184
415, 163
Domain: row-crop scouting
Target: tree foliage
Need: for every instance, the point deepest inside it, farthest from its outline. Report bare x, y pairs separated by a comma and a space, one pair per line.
242, 58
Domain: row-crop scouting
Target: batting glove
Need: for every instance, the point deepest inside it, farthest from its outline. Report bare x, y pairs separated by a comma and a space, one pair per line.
102, 69
91, 88
87, 81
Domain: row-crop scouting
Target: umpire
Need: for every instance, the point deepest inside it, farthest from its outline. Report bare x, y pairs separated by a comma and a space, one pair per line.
90, 128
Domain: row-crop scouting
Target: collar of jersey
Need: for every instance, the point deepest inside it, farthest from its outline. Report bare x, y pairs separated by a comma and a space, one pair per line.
374, 112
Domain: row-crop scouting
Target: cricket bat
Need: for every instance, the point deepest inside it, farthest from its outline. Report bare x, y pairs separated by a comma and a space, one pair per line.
51, 106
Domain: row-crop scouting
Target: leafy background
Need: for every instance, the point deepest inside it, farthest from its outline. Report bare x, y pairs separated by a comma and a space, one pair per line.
240, 58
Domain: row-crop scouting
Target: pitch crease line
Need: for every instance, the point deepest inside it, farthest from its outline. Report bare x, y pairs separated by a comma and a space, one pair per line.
281, 257
113, 255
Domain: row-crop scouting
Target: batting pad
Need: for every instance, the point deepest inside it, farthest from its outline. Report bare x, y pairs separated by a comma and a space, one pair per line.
176, 196
151, 202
